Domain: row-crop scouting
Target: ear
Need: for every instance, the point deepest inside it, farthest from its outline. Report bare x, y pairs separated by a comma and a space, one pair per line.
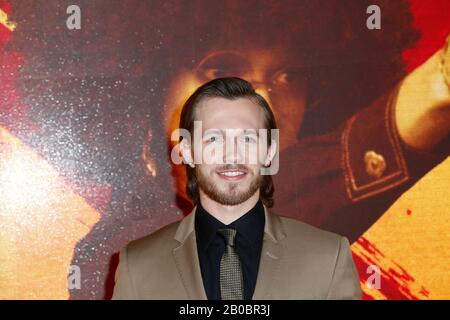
186, 153
271, 153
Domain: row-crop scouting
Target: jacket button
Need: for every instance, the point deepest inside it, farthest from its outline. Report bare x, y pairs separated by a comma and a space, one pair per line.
375, 164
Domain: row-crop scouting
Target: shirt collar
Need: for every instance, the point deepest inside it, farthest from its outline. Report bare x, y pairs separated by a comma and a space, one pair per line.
249, 227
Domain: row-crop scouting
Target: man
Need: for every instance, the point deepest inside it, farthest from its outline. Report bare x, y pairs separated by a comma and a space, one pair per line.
231, 246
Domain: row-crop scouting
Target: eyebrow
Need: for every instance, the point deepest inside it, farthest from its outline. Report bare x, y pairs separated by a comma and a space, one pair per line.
252, 131
223, 131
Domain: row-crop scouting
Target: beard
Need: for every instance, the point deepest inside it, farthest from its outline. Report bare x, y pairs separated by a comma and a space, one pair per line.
230, 197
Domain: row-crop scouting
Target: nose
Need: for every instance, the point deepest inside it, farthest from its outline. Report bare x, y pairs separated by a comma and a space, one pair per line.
232, 153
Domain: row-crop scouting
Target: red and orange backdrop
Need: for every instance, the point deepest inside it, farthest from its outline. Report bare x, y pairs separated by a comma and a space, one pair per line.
84, 118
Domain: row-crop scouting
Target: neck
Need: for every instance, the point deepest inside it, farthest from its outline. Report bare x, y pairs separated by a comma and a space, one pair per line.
227, 214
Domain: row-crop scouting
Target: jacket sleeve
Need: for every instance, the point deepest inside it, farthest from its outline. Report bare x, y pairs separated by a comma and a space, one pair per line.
345, 180
345, 280
123, 288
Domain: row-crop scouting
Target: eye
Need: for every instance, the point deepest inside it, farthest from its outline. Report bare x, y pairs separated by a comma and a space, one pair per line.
249, 139
292, 76
281, 79
212, 139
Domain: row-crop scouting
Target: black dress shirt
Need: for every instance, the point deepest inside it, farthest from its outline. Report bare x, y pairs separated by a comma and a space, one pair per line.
211, 246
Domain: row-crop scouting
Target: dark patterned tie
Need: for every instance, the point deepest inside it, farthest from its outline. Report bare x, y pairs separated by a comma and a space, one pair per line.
231, 284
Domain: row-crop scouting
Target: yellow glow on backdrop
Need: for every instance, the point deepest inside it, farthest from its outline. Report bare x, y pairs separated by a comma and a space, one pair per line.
4, 21
41, 219
413, 236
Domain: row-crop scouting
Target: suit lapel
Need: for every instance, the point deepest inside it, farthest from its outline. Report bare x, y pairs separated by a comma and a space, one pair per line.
271, 254
186, 258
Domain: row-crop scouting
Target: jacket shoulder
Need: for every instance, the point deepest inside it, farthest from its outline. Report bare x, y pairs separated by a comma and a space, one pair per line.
302, 232
146, 264
325, 261
158, 240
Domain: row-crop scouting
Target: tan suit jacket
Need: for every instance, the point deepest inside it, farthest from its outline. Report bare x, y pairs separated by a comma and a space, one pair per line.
297, 261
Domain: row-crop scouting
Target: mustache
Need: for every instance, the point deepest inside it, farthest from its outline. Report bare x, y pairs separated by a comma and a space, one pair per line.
233, 167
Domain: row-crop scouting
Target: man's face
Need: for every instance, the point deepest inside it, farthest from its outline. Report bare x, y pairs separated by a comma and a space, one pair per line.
279, 79
230, 176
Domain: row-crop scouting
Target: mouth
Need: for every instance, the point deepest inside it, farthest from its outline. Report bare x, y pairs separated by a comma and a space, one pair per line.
232, 175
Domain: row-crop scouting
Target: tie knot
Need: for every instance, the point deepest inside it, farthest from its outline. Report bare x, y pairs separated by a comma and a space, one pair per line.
229, 235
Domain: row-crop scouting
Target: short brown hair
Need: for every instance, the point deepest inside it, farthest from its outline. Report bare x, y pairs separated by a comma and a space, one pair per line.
230, 88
